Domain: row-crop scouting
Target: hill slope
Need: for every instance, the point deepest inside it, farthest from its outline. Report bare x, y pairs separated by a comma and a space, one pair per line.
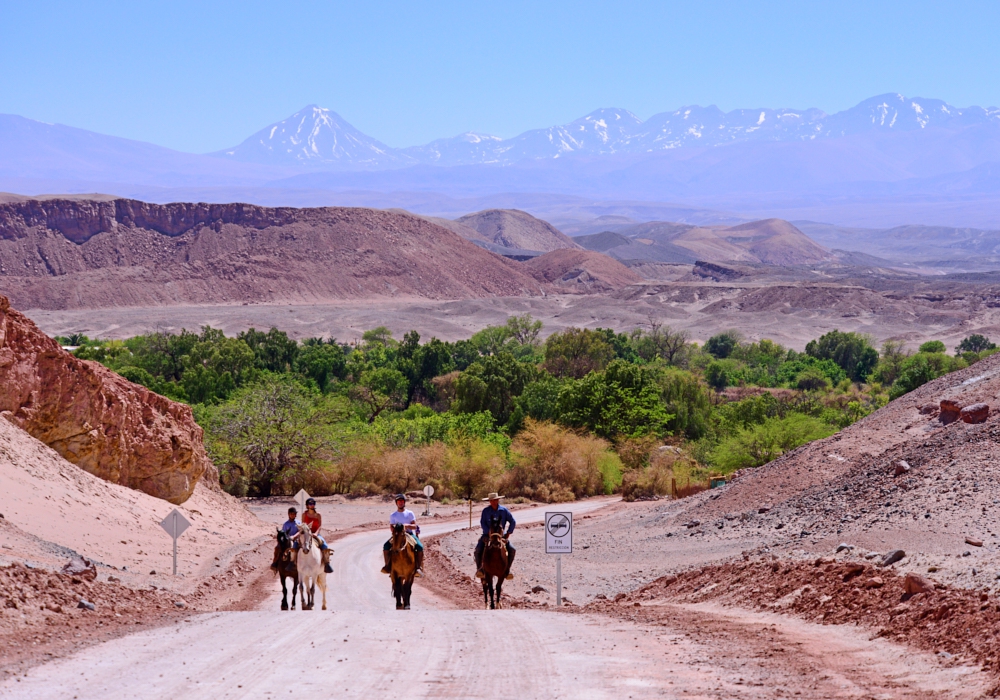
581, 270
60, 254
512, 228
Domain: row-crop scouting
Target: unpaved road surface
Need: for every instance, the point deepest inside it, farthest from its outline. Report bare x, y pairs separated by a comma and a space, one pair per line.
362, 648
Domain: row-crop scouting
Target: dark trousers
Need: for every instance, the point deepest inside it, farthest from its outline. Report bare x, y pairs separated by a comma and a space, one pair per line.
481, 545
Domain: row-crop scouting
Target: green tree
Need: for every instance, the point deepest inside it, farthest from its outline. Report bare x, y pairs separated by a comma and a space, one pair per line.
576, 352
378, 389
623, 400
661, 342
687, 400
719, 373
271, 432
321, 363
974, 343
853, 352
274, 350
722, 345
492, 384
891, 360
932, 346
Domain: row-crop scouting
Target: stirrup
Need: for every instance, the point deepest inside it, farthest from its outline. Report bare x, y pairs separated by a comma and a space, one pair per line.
509, 577
418, 573
385, 570
480, 574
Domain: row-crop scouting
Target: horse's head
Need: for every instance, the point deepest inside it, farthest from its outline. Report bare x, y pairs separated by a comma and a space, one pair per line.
283, 542
398, 537
305, 539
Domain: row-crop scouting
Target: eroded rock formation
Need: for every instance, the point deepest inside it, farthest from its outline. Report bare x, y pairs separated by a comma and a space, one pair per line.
96, 419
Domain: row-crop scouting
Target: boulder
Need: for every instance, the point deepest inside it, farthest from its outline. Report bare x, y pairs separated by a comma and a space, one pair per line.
976, 413
973, 541
892, 557
914, 583
902, 466
950, 411
80, 567
874, 582
96, 419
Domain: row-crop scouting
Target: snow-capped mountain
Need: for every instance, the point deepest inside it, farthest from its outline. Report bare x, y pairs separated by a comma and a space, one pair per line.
321, 138
315, 137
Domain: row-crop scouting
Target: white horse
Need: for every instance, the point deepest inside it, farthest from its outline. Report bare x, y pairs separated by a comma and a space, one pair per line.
310, 567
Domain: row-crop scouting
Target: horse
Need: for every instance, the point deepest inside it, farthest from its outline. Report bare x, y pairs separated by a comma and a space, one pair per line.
310, 569
494, 565
402, 567
286, 568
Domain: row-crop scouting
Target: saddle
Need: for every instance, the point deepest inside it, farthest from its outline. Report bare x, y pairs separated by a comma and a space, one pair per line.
412, 541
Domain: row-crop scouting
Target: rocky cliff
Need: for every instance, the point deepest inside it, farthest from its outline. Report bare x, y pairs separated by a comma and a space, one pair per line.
70, 254
96, 419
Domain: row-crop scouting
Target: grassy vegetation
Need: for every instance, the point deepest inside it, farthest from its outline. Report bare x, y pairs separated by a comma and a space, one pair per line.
588, 411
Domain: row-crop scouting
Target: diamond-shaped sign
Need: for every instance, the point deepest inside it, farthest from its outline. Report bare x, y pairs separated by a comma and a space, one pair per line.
300, 498
175, 523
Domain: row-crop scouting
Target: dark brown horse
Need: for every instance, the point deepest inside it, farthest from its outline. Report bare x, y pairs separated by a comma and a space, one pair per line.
402, 567
284, 566
494, 566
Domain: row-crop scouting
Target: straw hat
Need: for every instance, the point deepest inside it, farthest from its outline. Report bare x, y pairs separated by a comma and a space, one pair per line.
494, 496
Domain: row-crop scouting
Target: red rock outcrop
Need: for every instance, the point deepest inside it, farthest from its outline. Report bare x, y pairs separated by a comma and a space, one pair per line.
96, 419
976, 413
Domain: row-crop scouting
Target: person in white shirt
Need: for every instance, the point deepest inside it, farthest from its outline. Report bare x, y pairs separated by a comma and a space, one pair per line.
408, 520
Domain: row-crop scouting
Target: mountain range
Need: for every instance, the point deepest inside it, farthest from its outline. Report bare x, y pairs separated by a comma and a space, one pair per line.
890, 160
319, 138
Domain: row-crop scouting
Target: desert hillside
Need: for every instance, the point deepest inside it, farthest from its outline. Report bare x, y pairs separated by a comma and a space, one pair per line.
769, 241
512, 228
581, 270
63, 254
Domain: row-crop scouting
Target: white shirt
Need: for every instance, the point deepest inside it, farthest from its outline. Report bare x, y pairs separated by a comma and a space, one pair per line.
405, 518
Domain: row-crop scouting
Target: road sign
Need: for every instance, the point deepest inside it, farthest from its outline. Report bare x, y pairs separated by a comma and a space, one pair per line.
558, 533
300, 498
428, 491
175, 524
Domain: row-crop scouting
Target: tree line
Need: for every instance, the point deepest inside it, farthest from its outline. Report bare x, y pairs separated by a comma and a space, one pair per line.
583, 411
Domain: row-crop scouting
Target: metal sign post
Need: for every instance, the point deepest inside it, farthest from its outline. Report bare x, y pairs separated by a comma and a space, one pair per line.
300, 498
175, 524
559, 541
428, 491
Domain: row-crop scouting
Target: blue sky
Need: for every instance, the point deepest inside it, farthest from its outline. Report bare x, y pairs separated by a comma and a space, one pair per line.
203, 76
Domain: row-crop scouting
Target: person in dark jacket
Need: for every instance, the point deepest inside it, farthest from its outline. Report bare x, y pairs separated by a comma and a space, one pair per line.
495, 512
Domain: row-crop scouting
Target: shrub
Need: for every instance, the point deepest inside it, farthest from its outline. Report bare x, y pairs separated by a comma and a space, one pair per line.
550, 463
932, 346
759, 444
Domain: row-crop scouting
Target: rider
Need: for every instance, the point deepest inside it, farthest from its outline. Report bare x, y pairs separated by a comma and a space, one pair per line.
495, 512
315, 521
408, 520
291, 528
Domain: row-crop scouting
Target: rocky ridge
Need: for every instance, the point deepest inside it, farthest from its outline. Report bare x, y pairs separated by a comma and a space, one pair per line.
66, 254
96, 419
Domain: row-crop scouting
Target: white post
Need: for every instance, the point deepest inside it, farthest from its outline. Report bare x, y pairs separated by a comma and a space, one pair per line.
559, 580
175, 546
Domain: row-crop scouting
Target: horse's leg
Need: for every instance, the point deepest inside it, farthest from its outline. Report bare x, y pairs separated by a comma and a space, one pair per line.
284, 594
407, 589
322, 587
486, 594
499, 592
397, 591
312, 594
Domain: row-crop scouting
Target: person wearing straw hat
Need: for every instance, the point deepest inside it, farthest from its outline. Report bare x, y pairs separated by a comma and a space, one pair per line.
495, 513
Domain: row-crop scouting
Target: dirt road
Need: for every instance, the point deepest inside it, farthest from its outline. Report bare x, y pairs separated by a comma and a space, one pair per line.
362, 648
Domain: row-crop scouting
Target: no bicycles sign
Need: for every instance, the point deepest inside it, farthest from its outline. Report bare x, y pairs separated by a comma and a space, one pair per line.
558, 533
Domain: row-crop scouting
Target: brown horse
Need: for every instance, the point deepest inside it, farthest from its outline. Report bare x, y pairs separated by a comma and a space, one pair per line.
286, 568
494, 566
402, 567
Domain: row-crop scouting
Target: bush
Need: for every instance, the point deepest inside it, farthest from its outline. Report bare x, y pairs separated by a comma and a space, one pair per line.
932, 346
722, 345
550, 463
759, 444
853, 352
